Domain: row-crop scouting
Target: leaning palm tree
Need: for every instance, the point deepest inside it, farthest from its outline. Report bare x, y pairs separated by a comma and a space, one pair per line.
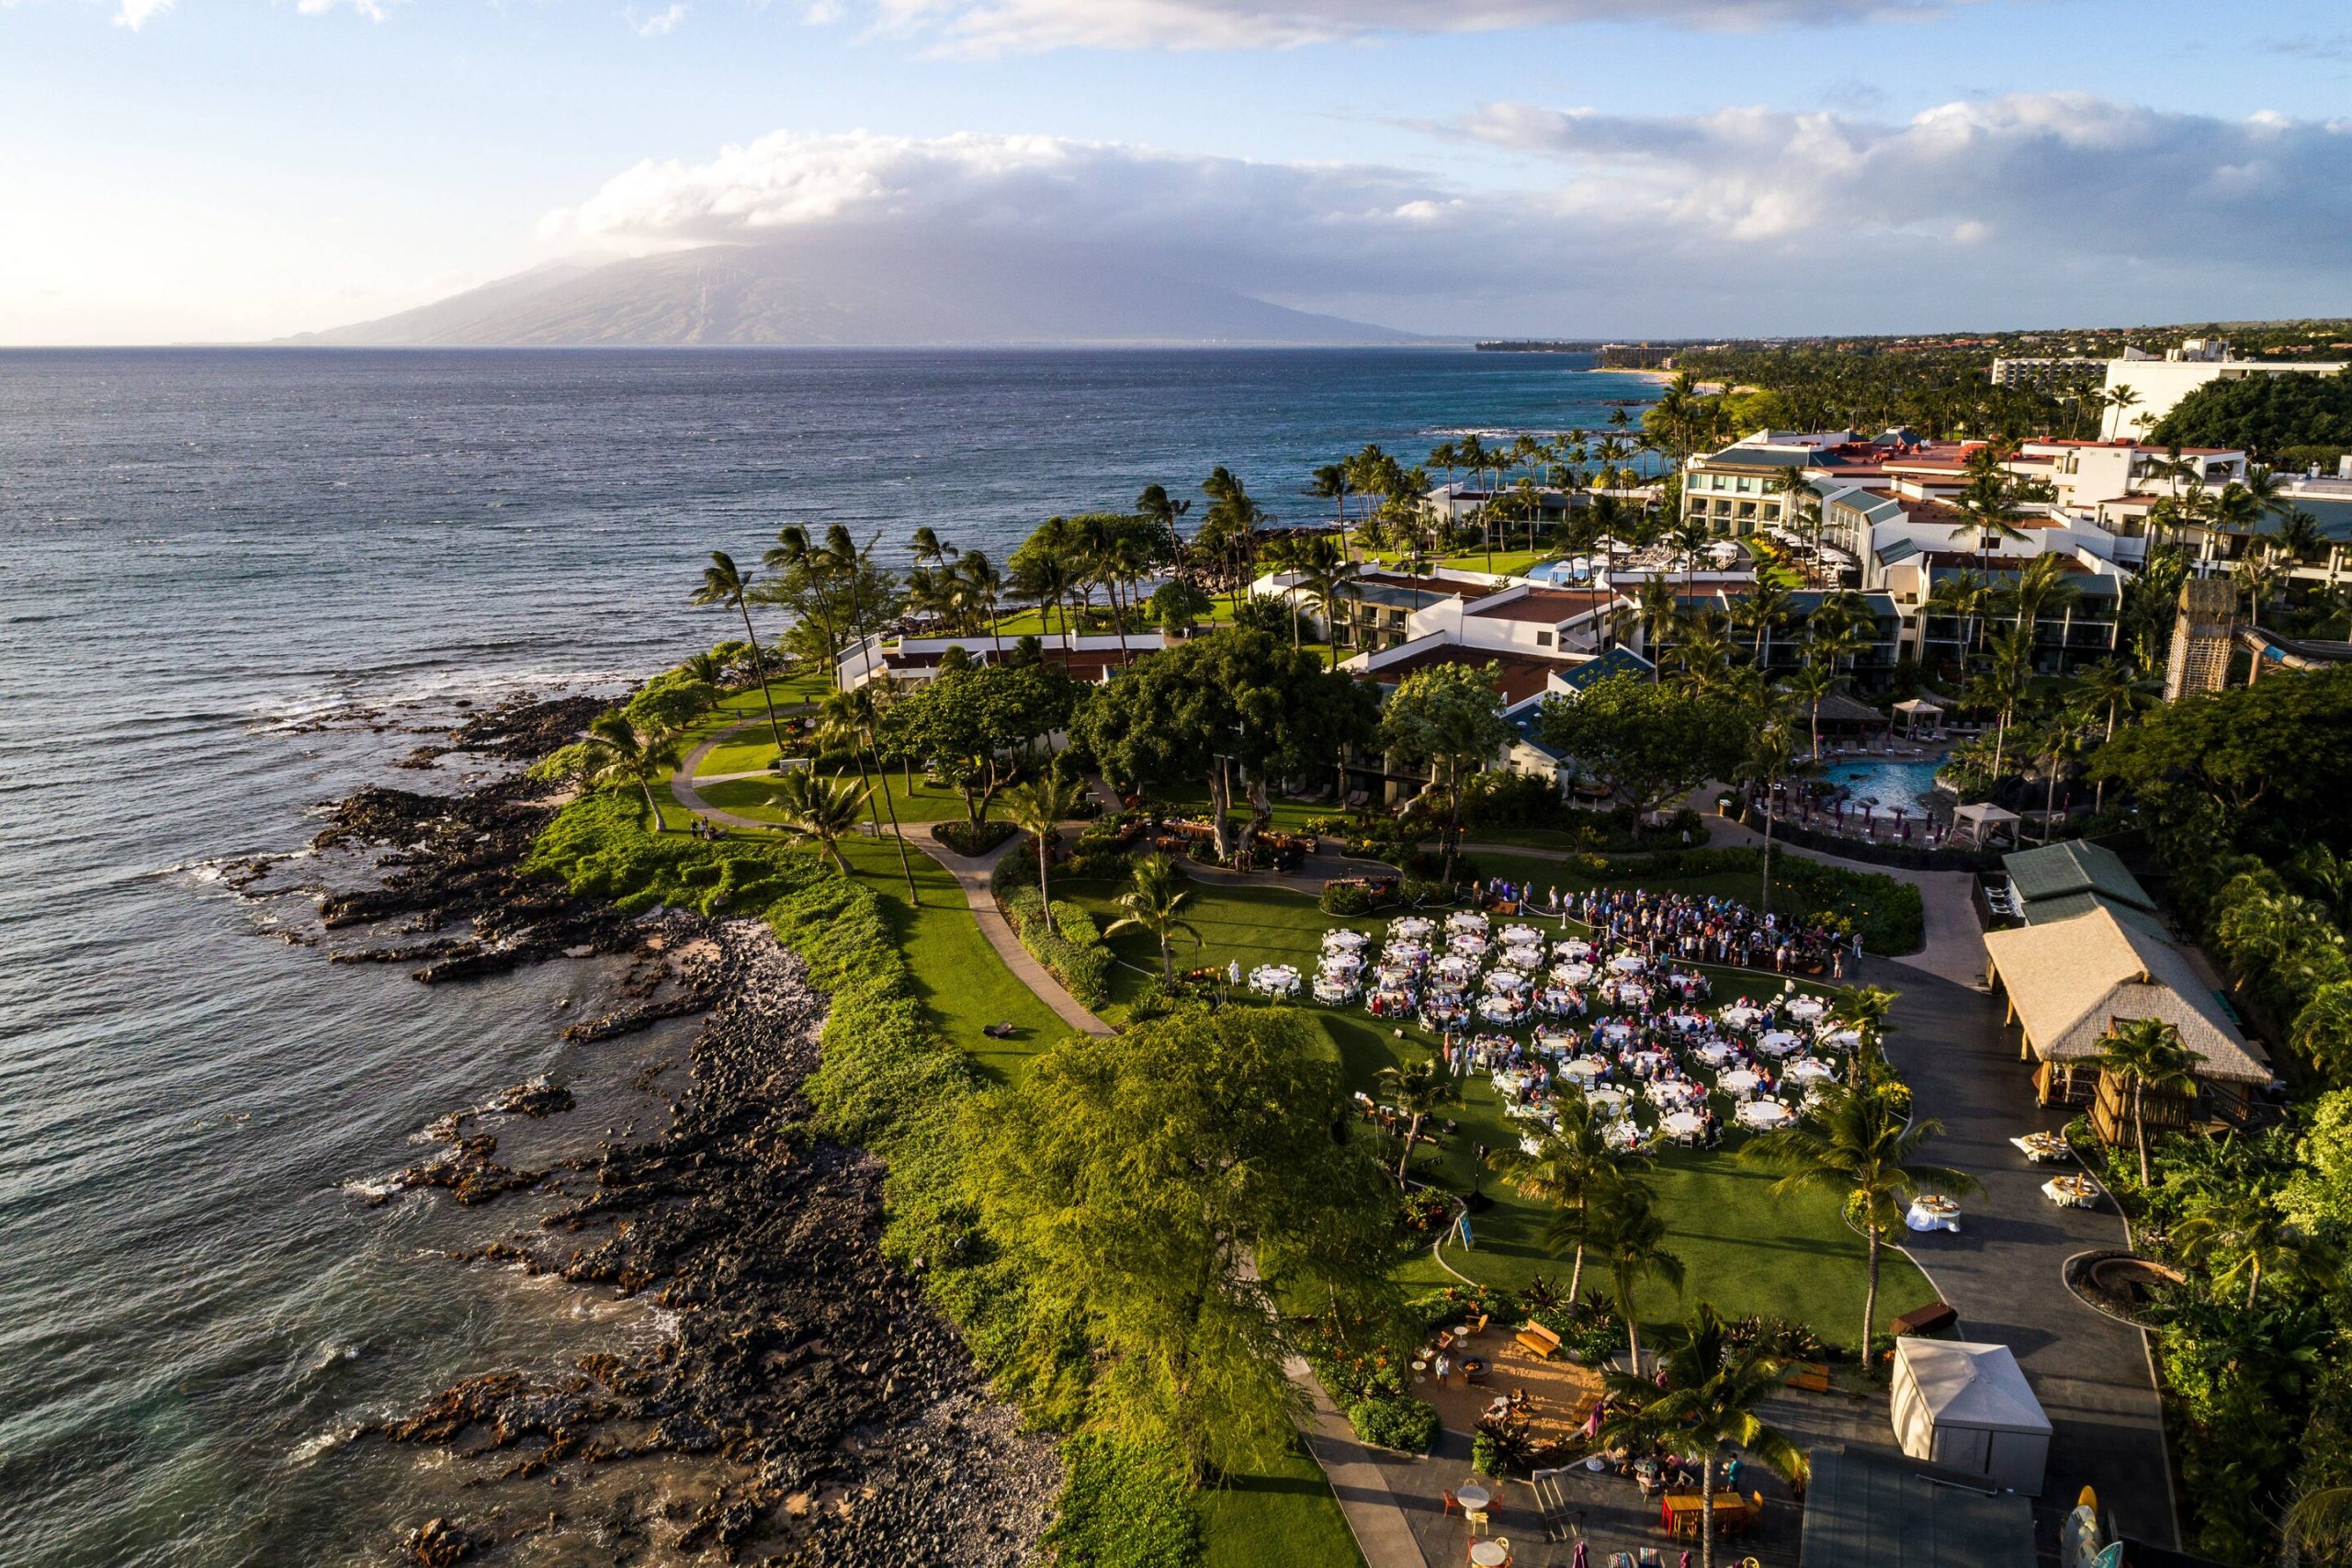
1418, 1090
2147, 1053
813, 806
1857, 1144
722, 584
619, 753
1708, 1392
1573, 1162
1771, 757
1627, 1238
2241, 1235
1037, 809
1156, 902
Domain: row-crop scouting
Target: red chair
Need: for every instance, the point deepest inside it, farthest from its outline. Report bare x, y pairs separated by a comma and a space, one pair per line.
1453, 1503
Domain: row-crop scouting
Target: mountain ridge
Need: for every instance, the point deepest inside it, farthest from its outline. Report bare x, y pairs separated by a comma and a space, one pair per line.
851, 295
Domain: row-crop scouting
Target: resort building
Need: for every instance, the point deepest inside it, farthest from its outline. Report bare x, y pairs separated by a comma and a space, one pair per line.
2047, 374
2158, 383
1742, 489
2080, 623
2093, 953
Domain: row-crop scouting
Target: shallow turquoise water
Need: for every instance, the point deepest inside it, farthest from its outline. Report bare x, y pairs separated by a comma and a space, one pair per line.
1891, 781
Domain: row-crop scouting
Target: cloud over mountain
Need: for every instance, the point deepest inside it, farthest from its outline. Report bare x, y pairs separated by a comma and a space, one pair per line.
2027, 207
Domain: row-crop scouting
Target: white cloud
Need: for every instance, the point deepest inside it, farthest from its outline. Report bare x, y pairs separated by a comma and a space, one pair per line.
991, 24
2020, 210
660, 25
137, 13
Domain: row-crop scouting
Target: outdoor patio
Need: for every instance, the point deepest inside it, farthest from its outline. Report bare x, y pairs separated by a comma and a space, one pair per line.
1606, 1511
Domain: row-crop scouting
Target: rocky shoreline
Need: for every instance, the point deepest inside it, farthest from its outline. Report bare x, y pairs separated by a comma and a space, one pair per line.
831, 1415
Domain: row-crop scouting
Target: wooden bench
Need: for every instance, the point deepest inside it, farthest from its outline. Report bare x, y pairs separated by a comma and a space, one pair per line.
1925, 1320
1810, 1376
1539, 1341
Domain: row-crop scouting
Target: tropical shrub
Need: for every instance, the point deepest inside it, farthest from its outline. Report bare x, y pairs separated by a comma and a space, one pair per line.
1123, 1505
1346, 899
1082, 967
1395, 1421
966, 840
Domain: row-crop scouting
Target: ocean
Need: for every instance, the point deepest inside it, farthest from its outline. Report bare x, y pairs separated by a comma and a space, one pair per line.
235, 585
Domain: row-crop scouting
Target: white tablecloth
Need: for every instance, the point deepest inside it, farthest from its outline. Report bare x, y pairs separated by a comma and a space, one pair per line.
1806, 1070
1764, 1113
1629, 963
1804, 1010
1739, 1018
1584, 1069
1348, 940
1922, 1218
2070, 1192
1838, 1039
1680, 1125
1779, 1042
1739, 1081
1714, 1052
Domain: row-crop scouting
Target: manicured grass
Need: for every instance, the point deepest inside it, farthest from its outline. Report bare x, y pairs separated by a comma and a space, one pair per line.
957, 974
1744, 1250
749, 797
1510, 562
1282, 1517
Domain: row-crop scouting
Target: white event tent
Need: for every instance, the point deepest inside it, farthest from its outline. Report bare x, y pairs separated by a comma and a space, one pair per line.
1968, 1407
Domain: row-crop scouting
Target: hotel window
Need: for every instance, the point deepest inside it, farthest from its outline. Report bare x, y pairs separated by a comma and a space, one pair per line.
1542, 639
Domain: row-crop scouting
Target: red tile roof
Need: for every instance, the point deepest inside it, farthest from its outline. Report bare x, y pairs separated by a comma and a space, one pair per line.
1548, 607
1523, 675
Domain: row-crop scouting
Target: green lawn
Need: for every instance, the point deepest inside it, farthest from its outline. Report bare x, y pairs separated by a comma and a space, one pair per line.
1745, 1251
749, 797
957, 974
1513, 562
1283, 1516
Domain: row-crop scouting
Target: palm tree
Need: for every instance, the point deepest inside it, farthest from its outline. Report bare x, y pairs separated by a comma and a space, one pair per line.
855, 717
1333, 482
1037, 809
1156, 903
1324, 576
1708, 1392
2320, 1518
1865, 1009
816, 806
1573, 1163
1418, 1088
983, 587
619, 754
1627, 1237
2240, 1234
1856, 1144
2146, 1053
2256, 576
1809, 685
1661, 609
1156, 504
723, 585
1771, 757
2120, 399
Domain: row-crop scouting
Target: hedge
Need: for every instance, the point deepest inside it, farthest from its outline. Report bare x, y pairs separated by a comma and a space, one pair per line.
1395, 1421
1067, 944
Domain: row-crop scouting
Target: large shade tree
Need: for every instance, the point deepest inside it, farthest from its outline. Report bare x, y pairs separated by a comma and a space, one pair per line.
976, 724
1160, 1190
1448, 719
1652, 743
1234, 704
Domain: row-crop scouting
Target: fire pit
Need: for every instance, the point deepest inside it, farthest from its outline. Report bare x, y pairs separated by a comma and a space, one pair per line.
2120, 1284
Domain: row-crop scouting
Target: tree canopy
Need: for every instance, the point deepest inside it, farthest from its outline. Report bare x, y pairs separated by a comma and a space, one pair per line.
1237, 697
1653, 743
2268, 753
1160, 1188
1446, 717
2268, 415
970, 723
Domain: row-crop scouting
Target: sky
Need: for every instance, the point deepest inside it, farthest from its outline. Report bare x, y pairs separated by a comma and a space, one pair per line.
238, 170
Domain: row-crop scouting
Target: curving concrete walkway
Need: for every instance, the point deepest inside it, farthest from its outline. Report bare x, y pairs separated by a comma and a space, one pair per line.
973, 876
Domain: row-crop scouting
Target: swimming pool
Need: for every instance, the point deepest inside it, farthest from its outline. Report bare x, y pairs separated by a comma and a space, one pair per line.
1891, 781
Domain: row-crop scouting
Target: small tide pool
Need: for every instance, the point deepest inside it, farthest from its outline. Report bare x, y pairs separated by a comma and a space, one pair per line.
1906, 782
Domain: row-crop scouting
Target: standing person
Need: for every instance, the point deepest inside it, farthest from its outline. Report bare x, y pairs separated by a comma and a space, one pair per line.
1444, 1367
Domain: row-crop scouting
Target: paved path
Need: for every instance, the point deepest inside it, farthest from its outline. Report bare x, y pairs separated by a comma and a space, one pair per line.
2003, 1270
1954, 950
972, 877
1383, 1532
